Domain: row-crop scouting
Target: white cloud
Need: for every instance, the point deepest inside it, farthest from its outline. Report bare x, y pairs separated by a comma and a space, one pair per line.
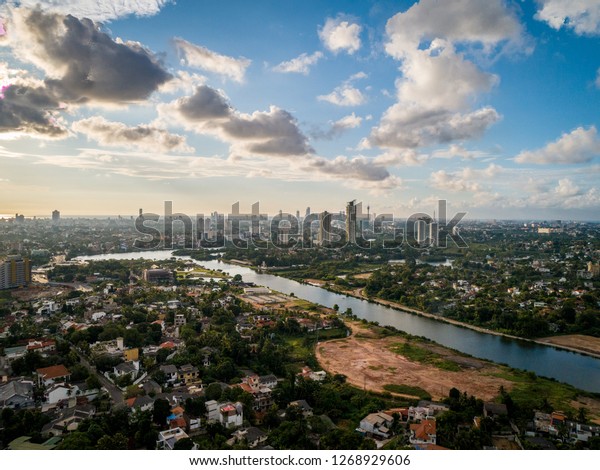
408, 157
340, 35
300, 64
439, 86
579, 146
439, 78
346, 94
582, 16
458, 151
598, 78
413, 127
466, 22
205, 59
97, 10
566, 188
142, 137
465, 180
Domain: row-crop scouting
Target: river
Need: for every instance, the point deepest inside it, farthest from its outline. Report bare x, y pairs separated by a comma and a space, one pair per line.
573, 368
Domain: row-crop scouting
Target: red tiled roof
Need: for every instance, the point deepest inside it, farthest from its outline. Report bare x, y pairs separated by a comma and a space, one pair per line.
53, 372
424, 430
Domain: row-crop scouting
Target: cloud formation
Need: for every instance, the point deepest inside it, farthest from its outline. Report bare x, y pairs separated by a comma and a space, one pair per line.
463, 22
269, 133
28, 110
582, 16
579, 146
300, 64
351, 121
346, 94
439, 85
202, 58
340, 35
142, 137
82, 63
97, 10
465, 180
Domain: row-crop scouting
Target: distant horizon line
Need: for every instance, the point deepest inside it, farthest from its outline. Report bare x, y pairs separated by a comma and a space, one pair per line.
130, 216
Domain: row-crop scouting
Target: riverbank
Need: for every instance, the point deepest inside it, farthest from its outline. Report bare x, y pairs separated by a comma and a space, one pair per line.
554, 342
374, 359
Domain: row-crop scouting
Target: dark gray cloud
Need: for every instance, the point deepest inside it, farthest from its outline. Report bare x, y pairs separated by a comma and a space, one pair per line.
206, 103
269, 133
27, 109
274, 132
359, 168
85, 64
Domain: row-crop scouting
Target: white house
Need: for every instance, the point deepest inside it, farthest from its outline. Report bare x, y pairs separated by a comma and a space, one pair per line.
60, 391
228, 414
167, 439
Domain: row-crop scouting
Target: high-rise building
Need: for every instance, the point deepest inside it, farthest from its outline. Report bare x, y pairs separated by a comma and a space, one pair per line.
15, 271
324, 233
55, 215
351, 221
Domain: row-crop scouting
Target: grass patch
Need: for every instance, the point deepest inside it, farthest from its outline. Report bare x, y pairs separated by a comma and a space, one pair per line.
423, 356
408, 390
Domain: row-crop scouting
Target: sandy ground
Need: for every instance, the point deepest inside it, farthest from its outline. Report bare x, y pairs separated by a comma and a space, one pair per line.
363, 275
367, 362
581, 342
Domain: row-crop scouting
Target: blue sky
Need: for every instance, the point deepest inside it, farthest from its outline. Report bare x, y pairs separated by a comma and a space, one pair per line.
491, 105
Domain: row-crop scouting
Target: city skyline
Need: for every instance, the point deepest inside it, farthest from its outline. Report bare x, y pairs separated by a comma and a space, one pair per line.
491, 106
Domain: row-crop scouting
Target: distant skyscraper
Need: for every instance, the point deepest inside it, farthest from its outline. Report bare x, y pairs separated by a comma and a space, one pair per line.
351, 221
15, 271
324, 233
55, 215
307, 212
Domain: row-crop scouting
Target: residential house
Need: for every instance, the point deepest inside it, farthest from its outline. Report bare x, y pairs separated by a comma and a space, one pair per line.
170, 372
69, 420
494, 410
423, 433
188, 374
150, 386
60, 391
50, 375
130, 368
376, 425
228, 414
44, 347
303, 405
17, 394
142, 403
253, 436
167, 439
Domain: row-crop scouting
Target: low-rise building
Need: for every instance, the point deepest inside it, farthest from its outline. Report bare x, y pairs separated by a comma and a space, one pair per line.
376, 425
423, 433
167, 439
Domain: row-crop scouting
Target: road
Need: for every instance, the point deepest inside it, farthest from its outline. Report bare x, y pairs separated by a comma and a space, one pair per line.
115, 392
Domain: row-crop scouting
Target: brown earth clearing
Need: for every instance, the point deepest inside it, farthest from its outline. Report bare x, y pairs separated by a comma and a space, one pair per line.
369, 361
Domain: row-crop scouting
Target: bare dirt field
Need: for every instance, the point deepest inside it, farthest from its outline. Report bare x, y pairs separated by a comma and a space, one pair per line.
584, 343
368, 361
363, 275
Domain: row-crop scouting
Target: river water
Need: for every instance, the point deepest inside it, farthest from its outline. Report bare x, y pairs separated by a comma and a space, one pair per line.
576, 369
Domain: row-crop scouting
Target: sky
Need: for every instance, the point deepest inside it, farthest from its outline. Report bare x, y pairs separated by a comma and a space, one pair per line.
111, 106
